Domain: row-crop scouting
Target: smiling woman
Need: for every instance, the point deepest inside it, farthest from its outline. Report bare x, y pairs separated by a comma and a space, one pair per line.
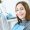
22, 13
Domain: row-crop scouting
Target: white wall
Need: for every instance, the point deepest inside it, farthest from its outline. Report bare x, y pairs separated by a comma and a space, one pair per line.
9, 6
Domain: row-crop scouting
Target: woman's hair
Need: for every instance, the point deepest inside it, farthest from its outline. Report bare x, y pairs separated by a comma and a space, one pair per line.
26, 8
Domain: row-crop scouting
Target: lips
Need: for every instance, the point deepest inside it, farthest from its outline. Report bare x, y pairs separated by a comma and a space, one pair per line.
19, 14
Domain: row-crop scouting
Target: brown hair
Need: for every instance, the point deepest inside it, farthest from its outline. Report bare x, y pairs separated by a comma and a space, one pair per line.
26, 7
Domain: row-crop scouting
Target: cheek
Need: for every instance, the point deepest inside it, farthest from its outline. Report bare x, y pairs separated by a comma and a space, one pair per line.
17, 14
24, 13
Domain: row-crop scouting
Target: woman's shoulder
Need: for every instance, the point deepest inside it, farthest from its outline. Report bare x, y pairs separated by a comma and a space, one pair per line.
27, 26
15, 26
28, 21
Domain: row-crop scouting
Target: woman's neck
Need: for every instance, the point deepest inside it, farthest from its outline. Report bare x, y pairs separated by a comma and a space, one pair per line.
23, 19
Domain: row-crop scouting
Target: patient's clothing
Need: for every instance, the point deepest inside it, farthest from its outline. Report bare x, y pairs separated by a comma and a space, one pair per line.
25, 25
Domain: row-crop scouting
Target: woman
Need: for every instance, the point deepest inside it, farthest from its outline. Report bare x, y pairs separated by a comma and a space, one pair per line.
22, 14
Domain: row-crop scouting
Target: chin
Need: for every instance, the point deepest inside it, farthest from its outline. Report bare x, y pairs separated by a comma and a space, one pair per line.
21, 17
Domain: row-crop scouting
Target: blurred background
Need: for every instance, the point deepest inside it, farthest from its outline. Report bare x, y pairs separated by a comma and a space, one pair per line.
7, 11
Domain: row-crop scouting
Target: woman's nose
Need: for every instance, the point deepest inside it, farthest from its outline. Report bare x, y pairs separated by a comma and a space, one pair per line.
19, 11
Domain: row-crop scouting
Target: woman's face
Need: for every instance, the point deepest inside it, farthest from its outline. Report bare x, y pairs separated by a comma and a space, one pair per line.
20, 11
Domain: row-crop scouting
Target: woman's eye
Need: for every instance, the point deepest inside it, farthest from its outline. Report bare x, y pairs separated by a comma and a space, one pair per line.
21, 8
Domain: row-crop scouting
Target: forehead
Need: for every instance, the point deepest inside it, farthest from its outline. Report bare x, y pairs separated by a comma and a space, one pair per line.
19, 6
